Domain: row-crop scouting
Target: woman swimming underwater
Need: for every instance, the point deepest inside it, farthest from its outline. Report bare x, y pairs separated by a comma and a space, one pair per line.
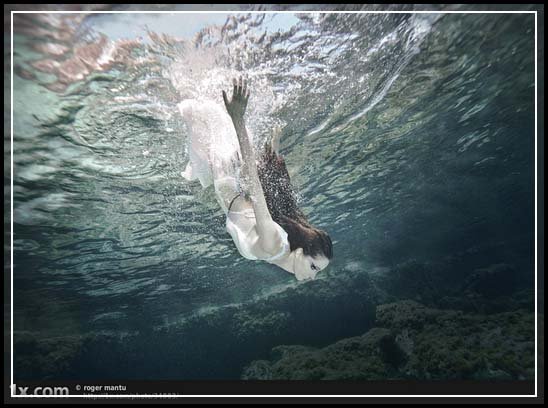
259, 202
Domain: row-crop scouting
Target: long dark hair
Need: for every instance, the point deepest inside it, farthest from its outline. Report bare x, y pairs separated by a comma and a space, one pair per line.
282, 204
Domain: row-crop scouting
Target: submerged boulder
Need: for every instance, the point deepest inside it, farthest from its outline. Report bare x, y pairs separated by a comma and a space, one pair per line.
354, 358
414, 341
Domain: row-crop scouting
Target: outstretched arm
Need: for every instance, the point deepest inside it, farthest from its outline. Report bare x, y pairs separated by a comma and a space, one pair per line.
270, 240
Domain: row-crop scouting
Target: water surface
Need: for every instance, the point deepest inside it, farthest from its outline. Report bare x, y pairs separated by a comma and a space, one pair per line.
407, 136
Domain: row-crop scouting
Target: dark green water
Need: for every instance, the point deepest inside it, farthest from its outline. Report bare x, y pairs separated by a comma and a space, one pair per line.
410, 139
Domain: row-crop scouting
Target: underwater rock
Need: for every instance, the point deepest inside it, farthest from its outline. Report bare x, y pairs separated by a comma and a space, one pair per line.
259, 370
449, 344
50, 357
405, 314
355, 358
405, 342
466, 346
414, 341
402, 339
316, 312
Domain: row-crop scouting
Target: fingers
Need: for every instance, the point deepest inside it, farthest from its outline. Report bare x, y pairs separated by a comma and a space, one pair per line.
245, 90
240, 90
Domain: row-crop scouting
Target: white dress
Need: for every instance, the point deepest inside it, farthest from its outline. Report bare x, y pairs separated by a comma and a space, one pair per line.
214, 154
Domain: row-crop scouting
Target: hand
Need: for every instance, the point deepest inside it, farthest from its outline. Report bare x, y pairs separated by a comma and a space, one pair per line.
237, 106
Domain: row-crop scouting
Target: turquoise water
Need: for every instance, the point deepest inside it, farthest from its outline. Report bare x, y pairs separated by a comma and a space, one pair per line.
407, 137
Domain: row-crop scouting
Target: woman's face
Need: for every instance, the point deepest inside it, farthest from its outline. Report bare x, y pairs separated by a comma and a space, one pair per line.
306, 266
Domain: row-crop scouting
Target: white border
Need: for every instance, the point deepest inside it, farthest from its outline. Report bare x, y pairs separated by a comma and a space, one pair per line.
536, 205
160, 396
